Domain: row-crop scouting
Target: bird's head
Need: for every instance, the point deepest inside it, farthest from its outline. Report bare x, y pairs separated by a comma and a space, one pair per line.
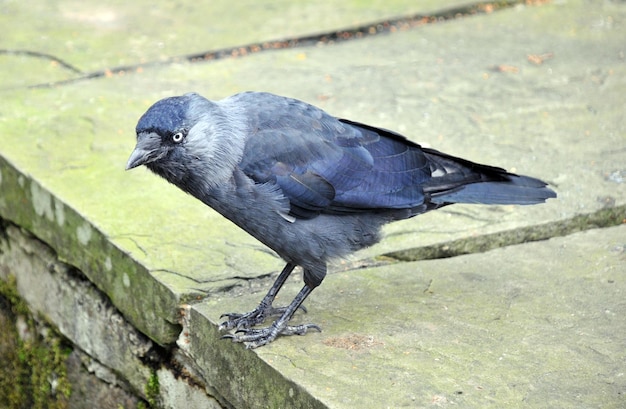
161, 136
188, 137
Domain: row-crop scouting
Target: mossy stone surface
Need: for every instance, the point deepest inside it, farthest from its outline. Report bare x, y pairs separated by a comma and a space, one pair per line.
535, 89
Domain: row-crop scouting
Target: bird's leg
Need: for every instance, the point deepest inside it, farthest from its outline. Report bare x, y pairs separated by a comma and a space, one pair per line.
264, 310
261, 336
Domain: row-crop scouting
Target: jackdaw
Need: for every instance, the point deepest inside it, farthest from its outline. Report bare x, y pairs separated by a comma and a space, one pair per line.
310, 186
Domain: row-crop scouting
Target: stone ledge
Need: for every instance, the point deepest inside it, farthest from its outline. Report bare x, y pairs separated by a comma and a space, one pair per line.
81, 244
104, 343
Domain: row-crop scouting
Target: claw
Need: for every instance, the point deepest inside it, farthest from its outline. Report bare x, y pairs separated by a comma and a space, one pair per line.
257, 316
247, 320
256, 337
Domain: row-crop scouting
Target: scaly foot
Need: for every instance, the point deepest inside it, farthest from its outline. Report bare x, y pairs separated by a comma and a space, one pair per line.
256, 337
252, 318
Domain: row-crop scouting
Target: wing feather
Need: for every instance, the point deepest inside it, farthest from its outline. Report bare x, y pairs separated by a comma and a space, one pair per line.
327, 165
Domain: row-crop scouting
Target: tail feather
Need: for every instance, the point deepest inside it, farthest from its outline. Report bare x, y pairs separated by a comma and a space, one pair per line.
457, 180
521, 190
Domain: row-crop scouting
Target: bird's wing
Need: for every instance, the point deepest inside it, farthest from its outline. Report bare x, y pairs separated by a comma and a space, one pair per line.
449, 179
326, 165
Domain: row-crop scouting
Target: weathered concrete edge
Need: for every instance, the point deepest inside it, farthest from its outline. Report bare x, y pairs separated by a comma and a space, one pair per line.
230, 368
111, 349
81, 244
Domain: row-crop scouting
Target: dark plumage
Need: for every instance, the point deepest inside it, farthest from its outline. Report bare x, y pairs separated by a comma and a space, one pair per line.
308, 185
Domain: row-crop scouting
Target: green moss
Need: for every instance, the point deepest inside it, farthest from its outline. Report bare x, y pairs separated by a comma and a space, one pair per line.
34, 373
153, 389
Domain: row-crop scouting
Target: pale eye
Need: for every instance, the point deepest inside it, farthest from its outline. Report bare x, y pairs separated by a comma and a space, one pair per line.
178, 137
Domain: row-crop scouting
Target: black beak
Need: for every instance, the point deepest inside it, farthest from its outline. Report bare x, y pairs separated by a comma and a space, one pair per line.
146, 151
139, 157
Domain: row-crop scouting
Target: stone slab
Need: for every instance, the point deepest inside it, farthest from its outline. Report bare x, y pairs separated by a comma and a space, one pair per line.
538, 325
67, 39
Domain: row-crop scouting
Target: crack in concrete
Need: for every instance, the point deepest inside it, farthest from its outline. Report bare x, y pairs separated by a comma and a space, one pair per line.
256, 247
607, 217
259, 277
207, 281
132, 240
388, 26
37, 54
178, 274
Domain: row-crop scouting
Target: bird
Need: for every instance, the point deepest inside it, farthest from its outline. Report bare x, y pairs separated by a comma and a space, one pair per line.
310, 186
